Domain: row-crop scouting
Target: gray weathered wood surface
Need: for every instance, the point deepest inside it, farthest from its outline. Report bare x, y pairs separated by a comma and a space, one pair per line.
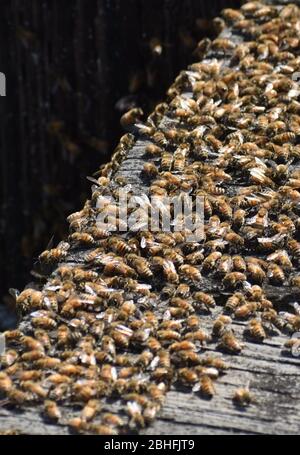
274, 377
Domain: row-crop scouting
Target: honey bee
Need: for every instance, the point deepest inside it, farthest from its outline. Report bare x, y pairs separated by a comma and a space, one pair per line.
130, 118
190, 273
82, 239
90, 410
205, 386
294, 247
246, 310
220, 325
275, 274
153, 344
18, 397
43, 323
255, 273
166, 161
31, 356
150, 170
239, 263
31, 344
230, 344
35, 388
8, 358
153, 150
183, 291
233, 279
55, 254
5, 382
211, 260
47, 363
242, 397
234, 301
256, 330
51, 410
167, 267
187, 376
140, 264
29, 299
182, 346
206, 299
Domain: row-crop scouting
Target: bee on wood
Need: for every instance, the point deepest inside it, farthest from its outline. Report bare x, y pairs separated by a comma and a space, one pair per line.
150, 170
55, 254
206, 299
131, 117
81, 239
205, 386
153, 150
210, 261
255, 330
242, 397
51, 410
220, 325
246, 310
275, 274
91, 408
230, 344
190, 273
233, 279
29, 300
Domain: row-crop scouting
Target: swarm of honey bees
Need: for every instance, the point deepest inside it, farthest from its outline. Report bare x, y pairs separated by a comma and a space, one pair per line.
125, 316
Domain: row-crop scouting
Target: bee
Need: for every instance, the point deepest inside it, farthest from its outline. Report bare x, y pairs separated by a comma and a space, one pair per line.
28, 300
90, 410
5, 382
140, 264
51, 410
18, 397
215, 362
12, 335
34, 388
153, 345
206, 299
77, 424
211, 260
190, 273
179, 159
193, 322
47, 363
234, 301
233, 279
225, 265
256, 330
205, 386
82, 239
31, 344
255, 273
246, 310
294, 247
242, 397
9, 357
130, 118
239, 264
220, 325
118, 245
150, 170
55, 254
281, 258
275, 274
200, 335
153, 150
44, 323
166, 161
230, 344
232, 15
134, 411
168, 335
167, 267
187, 376
182, 346
112, 420
183, 291
31, 356
222, 44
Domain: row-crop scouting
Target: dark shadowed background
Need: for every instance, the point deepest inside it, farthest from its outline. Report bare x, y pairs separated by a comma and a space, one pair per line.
72, 69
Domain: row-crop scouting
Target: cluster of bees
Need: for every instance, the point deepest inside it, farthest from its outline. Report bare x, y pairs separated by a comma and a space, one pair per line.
124, 317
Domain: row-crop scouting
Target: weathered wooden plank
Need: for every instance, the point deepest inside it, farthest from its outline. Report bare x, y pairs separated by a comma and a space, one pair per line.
273, 375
